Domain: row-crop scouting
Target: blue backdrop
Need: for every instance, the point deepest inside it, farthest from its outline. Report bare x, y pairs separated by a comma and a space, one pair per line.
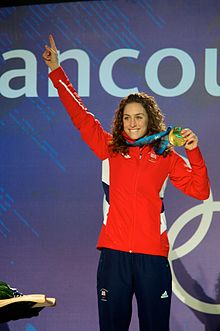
50, 182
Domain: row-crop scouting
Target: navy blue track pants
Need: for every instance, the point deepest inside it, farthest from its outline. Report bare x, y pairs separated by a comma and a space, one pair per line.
120, 276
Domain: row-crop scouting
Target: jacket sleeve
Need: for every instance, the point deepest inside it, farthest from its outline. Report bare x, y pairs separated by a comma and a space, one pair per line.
192, 180
90, 128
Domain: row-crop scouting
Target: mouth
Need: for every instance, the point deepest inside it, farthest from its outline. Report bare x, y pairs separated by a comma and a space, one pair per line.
133, 130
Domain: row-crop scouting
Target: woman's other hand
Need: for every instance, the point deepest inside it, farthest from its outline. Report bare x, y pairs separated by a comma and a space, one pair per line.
191, 140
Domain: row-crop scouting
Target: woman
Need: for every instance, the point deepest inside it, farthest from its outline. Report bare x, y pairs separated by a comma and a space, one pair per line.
133, 239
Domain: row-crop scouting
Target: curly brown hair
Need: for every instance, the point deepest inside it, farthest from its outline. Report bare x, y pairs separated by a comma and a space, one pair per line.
155, 120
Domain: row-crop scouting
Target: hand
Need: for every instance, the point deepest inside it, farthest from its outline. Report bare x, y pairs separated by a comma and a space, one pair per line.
191, 140
50, 54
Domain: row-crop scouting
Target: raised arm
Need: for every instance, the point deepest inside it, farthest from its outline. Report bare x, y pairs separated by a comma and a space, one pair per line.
90, 128
193, 180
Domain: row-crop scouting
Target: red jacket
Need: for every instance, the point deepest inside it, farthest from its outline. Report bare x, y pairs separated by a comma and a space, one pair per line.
133, 222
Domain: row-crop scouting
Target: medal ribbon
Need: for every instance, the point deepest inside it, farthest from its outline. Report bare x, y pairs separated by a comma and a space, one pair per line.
162, 136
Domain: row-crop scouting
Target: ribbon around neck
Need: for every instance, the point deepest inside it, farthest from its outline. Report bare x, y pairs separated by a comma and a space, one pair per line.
162, 136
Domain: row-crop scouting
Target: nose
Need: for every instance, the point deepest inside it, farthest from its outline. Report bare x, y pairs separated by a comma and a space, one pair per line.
132, 122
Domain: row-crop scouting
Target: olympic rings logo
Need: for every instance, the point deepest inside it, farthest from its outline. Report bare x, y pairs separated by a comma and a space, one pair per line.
205, 209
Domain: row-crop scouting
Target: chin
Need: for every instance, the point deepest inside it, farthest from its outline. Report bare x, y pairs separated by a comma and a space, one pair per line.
136, 136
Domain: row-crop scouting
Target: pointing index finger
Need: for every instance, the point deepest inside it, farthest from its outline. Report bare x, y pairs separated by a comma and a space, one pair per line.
52, 43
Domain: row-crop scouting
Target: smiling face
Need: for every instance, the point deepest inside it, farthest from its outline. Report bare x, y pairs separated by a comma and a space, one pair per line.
135, 120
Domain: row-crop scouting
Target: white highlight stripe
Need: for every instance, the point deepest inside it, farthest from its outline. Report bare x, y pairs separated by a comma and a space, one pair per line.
163, 223
68, 90
105, 171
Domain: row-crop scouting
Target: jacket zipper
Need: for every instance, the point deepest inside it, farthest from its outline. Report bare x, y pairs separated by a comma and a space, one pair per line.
135, 199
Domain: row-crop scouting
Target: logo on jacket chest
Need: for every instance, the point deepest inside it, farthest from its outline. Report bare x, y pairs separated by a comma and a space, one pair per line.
152, 157
126, 156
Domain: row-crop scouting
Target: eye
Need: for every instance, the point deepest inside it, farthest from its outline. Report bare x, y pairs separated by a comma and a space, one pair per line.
125, 118
139, 117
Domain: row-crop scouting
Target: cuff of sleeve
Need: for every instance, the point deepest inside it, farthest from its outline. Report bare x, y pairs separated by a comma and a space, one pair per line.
57, 75
194, 155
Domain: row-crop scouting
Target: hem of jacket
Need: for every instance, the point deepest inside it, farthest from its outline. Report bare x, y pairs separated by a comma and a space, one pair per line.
135, 251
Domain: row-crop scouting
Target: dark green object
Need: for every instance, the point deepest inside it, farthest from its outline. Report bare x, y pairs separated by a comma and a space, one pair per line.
5, 291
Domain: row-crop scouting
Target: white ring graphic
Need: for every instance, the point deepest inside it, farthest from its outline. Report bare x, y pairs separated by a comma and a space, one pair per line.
205, 209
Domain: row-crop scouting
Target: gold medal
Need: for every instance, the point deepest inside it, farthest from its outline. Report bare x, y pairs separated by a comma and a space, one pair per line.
175, 137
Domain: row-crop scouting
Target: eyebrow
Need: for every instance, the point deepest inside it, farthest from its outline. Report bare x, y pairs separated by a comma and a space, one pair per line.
134, 114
